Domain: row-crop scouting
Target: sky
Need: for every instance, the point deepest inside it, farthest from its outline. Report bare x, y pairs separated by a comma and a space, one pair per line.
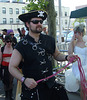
73, 3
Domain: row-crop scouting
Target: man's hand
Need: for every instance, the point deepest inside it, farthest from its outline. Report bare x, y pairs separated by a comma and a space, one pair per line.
30, 83
71, 57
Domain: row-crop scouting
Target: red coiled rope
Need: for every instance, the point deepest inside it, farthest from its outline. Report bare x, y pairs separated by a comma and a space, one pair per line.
82, 79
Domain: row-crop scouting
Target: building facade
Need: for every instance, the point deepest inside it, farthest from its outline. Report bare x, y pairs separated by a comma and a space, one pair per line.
11, 9
65, 17
10, 0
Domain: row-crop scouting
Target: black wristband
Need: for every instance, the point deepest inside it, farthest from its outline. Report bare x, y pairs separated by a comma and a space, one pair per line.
66, 57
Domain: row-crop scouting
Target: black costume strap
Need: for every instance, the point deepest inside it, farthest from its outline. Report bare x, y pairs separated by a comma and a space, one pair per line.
2, 48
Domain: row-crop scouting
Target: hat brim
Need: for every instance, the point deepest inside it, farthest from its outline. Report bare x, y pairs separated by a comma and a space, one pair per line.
33, 14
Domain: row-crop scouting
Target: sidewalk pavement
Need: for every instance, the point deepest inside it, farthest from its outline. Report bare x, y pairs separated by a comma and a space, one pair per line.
2, 96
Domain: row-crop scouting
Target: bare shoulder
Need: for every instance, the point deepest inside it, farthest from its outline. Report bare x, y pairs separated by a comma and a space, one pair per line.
15, 58
16, 53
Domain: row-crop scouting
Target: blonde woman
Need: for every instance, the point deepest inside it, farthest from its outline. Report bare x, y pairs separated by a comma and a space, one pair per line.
77, 46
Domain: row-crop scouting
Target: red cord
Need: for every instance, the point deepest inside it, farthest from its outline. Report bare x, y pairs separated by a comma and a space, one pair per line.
71, 60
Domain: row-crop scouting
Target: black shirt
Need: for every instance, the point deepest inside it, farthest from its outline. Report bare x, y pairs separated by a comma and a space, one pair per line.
37, 56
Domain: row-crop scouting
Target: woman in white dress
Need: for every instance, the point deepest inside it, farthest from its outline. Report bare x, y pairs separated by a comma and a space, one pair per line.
78, 47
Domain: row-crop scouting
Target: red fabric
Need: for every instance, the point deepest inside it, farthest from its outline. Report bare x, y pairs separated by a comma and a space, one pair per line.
6, 55
5, 63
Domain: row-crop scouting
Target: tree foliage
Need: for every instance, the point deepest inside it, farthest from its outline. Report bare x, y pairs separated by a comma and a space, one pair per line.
80, 20
36, 5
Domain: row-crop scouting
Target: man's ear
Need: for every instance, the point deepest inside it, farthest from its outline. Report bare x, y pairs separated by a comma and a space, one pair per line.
27, 24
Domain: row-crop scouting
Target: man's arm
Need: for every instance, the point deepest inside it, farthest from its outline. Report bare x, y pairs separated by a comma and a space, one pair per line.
59, 56
14, 62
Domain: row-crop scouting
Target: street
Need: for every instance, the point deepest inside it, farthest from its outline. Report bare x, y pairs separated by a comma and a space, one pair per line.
72, 96
2, 96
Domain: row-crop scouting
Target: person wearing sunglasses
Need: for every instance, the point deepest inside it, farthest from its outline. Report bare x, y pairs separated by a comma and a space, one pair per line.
36, 51
7, 78
78, 45
11, 33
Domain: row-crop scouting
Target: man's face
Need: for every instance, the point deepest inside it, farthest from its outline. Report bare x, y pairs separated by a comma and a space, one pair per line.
35, 25
4, 33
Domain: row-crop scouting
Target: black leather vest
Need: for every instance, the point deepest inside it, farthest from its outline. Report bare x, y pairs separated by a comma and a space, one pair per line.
37, 57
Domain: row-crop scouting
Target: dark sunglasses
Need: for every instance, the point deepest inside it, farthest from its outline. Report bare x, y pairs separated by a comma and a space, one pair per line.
11, 34
8, 41
37, 21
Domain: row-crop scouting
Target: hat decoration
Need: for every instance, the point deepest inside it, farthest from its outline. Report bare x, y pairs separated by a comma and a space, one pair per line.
78, 23
41, 14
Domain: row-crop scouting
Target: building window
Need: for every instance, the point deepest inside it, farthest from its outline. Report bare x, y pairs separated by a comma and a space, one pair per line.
56, 21
66, 22
11, 20
14, 0
17, 11
17, 0
10, 11
23, 11
4, 0
57, 13
4, 21
4, 10
65, 13
17, 20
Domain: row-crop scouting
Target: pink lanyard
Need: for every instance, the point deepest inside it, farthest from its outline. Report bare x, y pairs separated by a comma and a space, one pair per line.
82, 76
82, 79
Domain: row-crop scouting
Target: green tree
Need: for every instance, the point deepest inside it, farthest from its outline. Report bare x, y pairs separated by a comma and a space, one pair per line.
36, 5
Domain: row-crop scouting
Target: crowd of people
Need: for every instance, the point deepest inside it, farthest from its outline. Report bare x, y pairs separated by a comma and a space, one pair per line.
30, 60
36, 51
7, 44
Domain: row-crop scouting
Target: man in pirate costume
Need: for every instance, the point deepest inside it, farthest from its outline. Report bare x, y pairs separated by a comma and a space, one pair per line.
36, 51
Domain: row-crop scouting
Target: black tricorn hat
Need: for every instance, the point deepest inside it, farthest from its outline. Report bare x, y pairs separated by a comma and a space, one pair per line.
33, 14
